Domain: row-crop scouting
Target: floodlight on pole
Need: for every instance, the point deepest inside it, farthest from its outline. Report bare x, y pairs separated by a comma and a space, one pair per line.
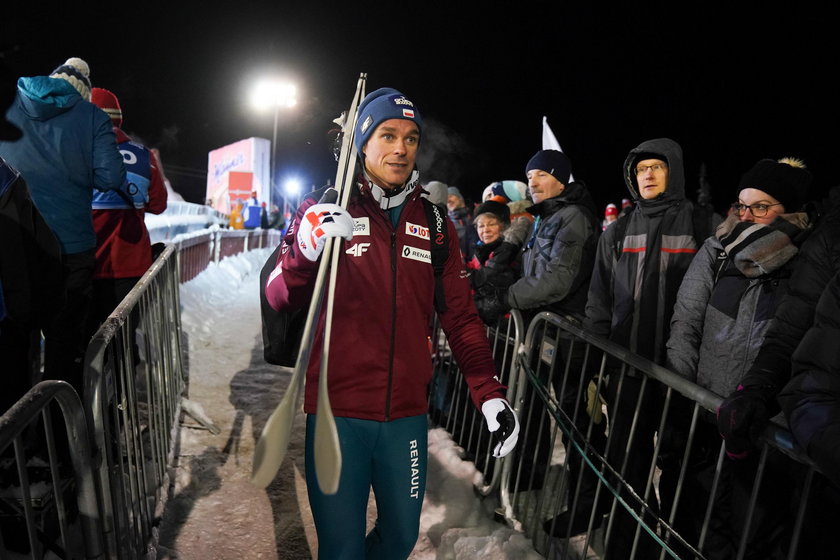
291, 190
276, 95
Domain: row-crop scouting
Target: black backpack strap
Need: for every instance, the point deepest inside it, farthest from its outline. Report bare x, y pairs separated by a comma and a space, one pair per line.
439, 239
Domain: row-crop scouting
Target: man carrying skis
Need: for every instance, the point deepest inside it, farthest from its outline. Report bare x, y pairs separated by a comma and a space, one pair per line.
385, 298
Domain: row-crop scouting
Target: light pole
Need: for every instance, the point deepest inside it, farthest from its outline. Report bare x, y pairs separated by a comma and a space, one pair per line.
274, 94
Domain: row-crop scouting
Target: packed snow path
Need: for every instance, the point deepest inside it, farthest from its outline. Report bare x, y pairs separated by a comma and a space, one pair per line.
214, 512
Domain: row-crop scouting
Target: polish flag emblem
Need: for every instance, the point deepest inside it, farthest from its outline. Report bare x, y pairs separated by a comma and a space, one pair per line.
408, 113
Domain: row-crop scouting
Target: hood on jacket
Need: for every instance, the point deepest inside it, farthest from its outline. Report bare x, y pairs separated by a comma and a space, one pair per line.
665, 149
42, 98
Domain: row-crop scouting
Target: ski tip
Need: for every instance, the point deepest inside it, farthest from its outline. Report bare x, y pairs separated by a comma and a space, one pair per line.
264, 469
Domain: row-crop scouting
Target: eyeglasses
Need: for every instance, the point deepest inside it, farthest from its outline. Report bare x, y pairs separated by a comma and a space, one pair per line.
655, 167
758, 210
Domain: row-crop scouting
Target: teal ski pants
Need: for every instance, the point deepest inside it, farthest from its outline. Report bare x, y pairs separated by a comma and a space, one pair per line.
389, 457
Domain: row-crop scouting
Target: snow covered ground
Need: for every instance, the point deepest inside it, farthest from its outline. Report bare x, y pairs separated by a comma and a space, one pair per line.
214, 511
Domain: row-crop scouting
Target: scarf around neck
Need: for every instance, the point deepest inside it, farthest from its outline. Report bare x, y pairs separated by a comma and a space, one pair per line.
756, 249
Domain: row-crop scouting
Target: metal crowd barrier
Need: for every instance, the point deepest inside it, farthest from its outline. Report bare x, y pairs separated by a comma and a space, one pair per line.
594, 415
449, 400
121, 432
198, 250
133, 386
47, 504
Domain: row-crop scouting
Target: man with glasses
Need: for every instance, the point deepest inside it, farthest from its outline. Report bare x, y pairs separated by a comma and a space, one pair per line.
640, 263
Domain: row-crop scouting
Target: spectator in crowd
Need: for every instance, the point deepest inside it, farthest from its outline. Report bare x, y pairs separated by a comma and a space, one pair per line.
251, 214
610, 215
237, 220
491, 220
744, 413
811, 405
640, 264
68, 148
123, 246
379, 396
626, 206
811, 399
462, 218
557, 265
558, 258
512, 193
264, 219
724, 307
510, 190
31, 289
275, 218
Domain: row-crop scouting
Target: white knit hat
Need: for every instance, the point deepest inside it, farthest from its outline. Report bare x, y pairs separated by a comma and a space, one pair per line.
76, 71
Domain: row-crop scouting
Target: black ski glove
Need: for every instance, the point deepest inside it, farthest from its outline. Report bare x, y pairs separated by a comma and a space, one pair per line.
742, 417
504, 254
503, 425
492, 304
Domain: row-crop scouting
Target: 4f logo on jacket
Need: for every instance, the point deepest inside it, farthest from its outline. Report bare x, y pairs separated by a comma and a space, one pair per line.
357, 249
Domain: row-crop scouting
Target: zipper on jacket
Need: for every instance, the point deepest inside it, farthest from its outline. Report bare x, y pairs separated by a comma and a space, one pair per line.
393, 324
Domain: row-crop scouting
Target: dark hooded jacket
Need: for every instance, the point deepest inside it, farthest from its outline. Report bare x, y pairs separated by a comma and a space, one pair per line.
557, 262
643, 257
67, 150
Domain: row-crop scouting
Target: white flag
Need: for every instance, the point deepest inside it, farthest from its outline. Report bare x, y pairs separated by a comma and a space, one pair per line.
549, 141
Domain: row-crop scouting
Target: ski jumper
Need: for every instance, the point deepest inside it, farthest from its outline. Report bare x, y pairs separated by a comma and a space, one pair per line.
380, 365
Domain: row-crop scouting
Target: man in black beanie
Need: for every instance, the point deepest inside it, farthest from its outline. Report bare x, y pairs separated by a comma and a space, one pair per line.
556, 266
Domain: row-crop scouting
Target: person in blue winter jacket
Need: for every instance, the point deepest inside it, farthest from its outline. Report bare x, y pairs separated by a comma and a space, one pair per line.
67, 149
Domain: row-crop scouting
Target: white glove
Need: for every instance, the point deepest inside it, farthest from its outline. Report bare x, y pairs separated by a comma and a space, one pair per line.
319, 222
503, 424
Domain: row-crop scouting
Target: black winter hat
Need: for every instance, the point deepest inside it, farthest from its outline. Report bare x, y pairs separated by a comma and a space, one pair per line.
498, 209
786, 180
553, 162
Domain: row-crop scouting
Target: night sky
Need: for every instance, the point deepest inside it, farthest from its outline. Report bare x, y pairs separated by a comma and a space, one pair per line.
730, 85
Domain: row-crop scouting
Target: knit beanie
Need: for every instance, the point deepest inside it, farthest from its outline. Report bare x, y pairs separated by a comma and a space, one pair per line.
379, 106
498, 209
455, 191
505, 191
612, 210
109, 103
76, 71
786, 180
553, 162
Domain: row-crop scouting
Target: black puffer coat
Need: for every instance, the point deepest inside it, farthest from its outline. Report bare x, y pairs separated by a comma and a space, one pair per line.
811, 400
